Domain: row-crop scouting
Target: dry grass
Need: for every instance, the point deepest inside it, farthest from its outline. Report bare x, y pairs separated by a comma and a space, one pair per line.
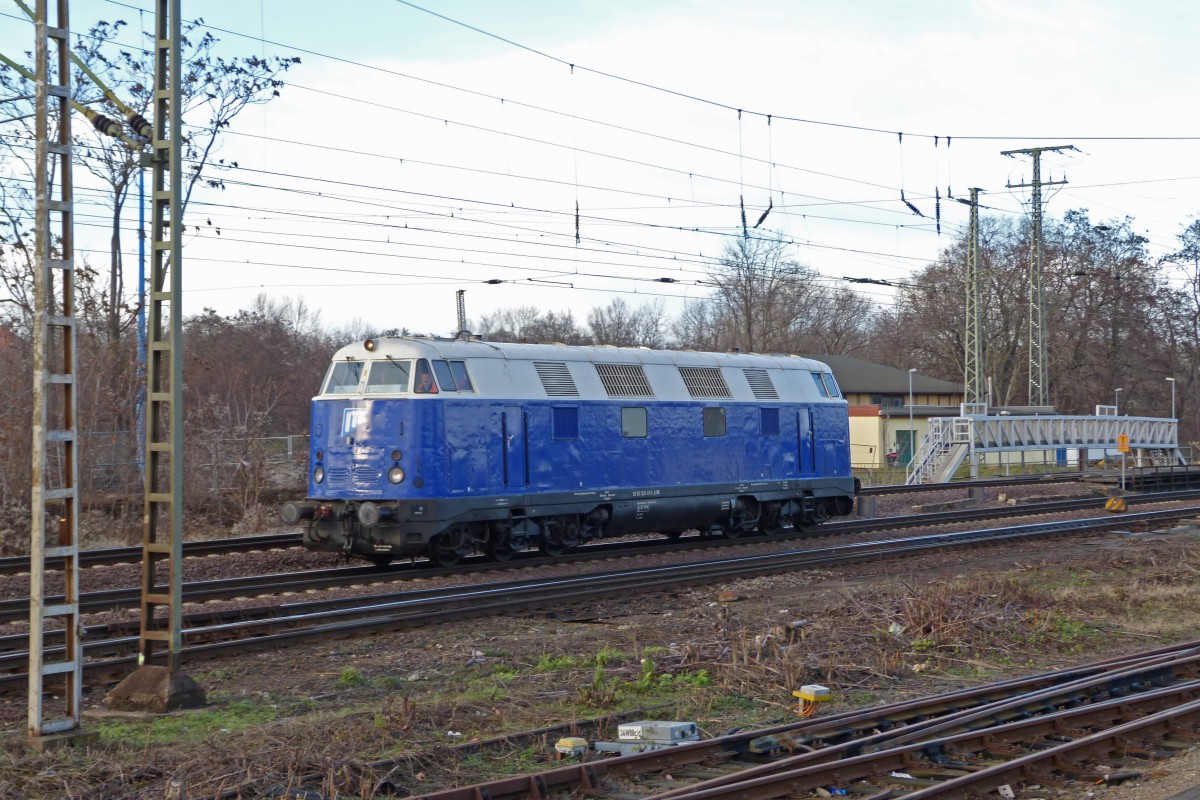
351, 718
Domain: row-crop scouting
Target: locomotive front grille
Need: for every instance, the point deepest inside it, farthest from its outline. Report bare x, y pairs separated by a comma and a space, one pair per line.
370, 476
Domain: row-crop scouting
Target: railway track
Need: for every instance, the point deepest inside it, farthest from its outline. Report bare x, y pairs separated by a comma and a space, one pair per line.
109, 650
17, 609
1048, 728
15, 565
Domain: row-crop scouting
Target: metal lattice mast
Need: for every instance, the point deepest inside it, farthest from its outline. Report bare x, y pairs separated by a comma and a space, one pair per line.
55, 458
462, 311
1039, 379
162, 540
974, 367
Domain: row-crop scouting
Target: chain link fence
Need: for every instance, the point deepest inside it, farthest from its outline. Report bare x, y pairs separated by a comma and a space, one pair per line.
109, 463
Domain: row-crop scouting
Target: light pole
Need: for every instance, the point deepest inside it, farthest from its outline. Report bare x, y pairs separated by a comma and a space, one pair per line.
1172, 382
1117, 400
912, 434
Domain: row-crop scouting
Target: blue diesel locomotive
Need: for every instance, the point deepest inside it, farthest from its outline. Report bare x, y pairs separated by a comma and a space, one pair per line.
444, 447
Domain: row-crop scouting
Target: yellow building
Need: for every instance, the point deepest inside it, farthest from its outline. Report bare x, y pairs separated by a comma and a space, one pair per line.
884, 417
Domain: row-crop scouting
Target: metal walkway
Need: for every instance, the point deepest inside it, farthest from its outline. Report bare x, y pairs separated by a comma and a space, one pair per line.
974, 437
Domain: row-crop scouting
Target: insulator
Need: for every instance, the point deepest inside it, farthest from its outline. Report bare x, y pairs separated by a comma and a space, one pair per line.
139, 125
106, 126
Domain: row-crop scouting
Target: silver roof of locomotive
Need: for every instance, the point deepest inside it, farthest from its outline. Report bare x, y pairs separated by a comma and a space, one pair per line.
505, 369
419, 347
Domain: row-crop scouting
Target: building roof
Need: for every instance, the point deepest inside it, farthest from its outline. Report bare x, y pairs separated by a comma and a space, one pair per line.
864, 377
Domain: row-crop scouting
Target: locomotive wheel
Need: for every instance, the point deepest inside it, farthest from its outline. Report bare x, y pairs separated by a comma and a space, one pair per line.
571, 534
819, 513
672, 535
732, 529
444, 557
381, 560
447, 549
769, 522
560, 537
500, 548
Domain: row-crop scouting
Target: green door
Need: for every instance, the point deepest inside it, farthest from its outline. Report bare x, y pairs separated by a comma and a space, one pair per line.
904, 440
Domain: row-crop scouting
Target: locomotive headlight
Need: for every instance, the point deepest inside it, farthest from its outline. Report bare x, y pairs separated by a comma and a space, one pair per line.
369, 345
396, 455
395, 474
320, 455
318, 474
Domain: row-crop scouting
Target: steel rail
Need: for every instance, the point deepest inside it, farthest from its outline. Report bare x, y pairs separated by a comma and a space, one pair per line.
947, 762
353, 616
16, 609
990, 483
1116, 682
14, 565
1111, 683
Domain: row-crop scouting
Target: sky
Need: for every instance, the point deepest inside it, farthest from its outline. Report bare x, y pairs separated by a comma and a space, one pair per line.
422, 148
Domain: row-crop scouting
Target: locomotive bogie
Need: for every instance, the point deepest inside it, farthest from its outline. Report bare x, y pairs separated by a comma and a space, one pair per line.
443, 448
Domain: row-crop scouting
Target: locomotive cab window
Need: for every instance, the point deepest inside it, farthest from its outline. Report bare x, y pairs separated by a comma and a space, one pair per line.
388, 376
714, 421
769, 421
343, 377
633, 423
822, 389
424, 383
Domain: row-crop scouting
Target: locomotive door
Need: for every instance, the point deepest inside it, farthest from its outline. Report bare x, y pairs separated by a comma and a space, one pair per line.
804, 441
515, 446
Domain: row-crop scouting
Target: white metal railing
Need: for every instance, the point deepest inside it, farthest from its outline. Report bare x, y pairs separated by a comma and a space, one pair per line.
951, 439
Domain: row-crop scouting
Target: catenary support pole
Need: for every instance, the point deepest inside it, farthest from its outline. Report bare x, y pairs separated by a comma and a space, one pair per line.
54, 501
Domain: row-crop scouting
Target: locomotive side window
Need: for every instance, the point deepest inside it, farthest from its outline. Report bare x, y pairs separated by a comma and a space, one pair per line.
566, 422
769, 421
444, 378
831, 384
714, 421
388, 376
821, 387
461, 379
343, 377
424, 384
452, 376
633, 423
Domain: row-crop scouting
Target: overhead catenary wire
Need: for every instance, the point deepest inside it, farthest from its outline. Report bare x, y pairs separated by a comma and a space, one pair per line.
258, 38
630, 222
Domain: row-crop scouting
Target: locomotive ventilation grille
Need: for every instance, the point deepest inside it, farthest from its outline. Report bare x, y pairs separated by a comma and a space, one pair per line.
760, 384
624, 380
358, 474
556, 379
704, 382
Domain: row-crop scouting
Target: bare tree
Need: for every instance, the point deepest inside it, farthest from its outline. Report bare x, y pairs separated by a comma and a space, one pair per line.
619, 324
760, 292
1183, 328
555, 327
215, 89
508, 324
700, 326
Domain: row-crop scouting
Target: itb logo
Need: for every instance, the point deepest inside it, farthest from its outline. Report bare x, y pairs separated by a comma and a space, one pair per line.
352, 418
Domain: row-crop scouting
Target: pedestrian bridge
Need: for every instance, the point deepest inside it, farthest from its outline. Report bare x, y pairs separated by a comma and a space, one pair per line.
978, 438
